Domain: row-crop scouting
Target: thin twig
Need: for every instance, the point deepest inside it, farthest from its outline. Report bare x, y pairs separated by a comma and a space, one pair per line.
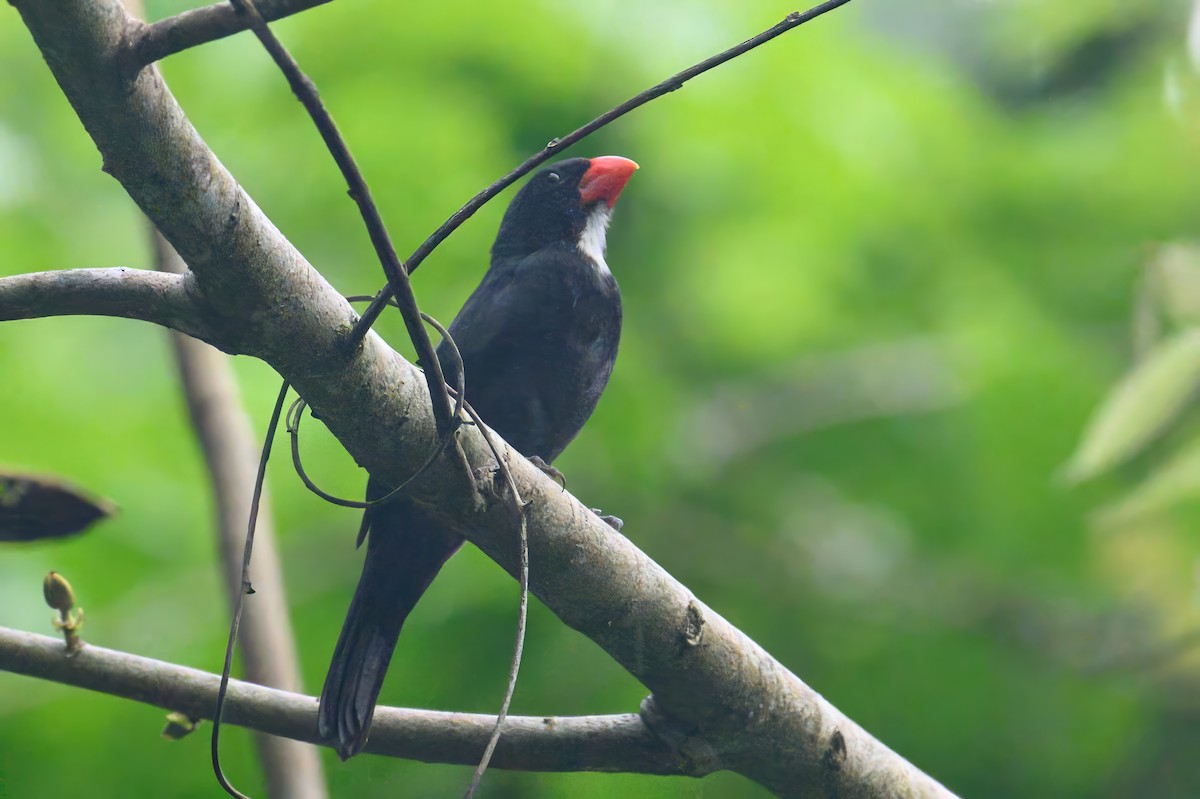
292, 424
522, 609
306, 93
246, 589
556, 146
295, 415
460, 385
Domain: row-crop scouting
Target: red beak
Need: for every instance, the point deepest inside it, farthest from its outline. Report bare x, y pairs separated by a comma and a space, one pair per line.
604, 179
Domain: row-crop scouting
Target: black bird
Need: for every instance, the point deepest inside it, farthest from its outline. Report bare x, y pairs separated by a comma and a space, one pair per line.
538, 340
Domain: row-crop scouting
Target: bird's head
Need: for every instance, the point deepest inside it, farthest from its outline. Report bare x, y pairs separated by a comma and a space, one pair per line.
562, 201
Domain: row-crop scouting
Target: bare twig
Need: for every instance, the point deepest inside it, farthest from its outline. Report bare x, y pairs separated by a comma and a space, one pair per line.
614, 743
267, 643
202, 25
295, 415
522, 603
244, 588
556, 146
113, 291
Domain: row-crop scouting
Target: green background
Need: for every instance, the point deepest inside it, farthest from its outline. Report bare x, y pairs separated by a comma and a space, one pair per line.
877, 276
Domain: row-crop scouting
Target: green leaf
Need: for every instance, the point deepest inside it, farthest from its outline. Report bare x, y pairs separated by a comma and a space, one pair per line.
1176, 269
1172, 482
1139, 407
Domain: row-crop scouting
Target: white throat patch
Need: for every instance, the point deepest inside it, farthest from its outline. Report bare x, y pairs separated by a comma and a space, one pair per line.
592, 242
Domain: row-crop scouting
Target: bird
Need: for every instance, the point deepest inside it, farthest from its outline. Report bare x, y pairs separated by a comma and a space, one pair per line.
538, 340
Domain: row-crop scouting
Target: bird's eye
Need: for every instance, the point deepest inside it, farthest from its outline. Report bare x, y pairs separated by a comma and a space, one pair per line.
553, 177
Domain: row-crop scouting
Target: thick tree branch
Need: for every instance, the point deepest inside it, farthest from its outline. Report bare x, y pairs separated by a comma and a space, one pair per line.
202, 25
113, 291
530, 743
743, 710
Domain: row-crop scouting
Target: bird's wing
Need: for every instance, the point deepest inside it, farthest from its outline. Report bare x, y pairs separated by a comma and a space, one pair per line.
511, 306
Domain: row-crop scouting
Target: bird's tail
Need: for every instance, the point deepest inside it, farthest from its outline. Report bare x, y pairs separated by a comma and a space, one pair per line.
404, 554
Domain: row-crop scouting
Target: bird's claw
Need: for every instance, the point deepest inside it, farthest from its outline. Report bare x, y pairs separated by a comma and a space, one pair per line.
550, 471
612, 521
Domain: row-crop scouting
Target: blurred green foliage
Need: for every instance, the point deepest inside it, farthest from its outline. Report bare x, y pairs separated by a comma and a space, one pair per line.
878, 275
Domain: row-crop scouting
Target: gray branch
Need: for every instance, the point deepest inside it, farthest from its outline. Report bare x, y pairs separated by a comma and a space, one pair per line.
570, 743
202, 25
114, 291
741, 709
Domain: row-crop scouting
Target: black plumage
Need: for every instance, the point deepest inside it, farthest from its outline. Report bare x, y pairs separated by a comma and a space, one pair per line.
538, 339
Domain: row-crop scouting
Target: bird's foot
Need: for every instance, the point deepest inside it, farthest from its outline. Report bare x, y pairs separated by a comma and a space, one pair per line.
550, 471
612, 521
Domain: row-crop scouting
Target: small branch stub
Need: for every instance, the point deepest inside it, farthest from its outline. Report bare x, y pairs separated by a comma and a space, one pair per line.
179, 725
693, 625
